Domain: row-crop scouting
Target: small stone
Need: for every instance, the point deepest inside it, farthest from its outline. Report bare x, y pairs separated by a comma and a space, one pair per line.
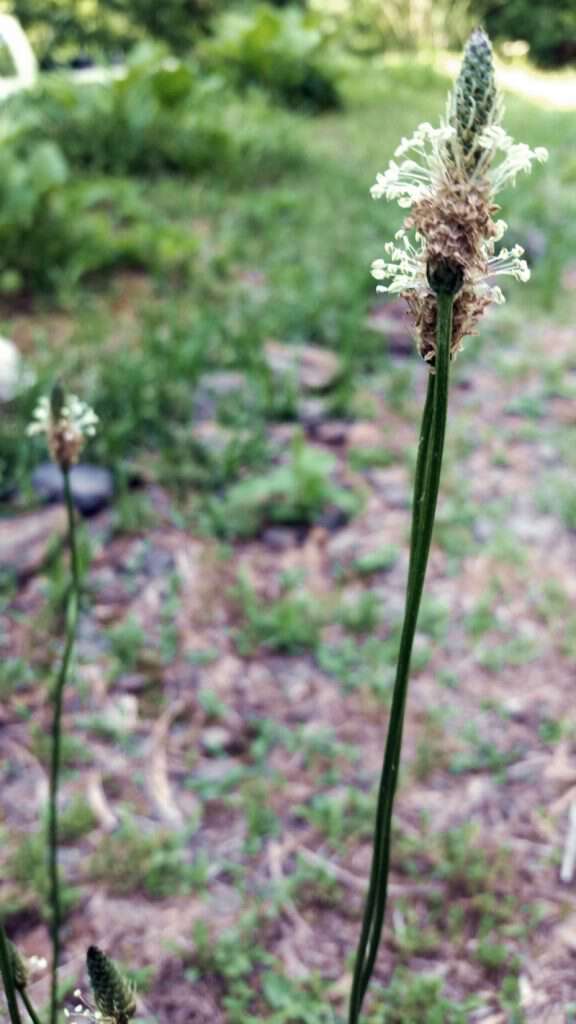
215, 771
26, 541
332, 432
216, 739
311, 412
365, 434
13, 377
213, 388
333, 518
391, 484
92, 486
314, 368
279, 538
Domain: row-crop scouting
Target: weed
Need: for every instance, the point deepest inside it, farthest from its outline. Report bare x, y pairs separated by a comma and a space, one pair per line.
340, 815
494, 956
412, 936
370, 458
362, 614
128, 860
280, 50
558, 496
27, 867
517, 651
73, 753
415, 997
256, 987
127, 640
290, 624
76, 820
465, 864
261, 820
379, 560
482, 618
357, 664
298, 492
483, 755
431, 752
15, 675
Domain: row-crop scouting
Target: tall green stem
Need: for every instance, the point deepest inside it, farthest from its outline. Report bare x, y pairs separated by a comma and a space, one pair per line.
426, 485
55, 759
8, 978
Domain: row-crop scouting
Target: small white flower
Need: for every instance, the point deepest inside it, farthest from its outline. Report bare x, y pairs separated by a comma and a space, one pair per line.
435, 149
405, 270
37, 964
84, 1011
67, 431
413, 179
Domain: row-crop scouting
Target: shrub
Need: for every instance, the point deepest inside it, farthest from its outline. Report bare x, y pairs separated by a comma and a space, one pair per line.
280, 50
550, 29
298, 492
161, 115
65, 31
54, 230
370, 26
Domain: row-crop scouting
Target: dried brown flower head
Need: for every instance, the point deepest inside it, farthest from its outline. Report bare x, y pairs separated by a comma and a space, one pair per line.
448, 182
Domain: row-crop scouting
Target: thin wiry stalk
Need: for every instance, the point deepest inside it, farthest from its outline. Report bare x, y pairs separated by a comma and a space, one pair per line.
426, 484
57, 702
31, 1011
7, 978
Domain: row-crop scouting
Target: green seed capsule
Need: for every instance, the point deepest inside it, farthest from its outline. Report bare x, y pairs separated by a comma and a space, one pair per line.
113, 995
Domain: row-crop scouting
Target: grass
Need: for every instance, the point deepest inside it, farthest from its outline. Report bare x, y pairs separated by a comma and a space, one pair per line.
311, 283
289, 260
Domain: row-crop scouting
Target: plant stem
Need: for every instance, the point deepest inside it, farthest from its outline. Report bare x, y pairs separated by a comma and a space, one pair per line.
7, 978
57, 702
426, 485
31, 1011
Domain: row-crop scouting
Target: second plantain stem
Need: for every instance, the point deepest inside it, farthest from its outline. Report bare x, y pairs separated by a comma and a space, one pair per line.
55, 759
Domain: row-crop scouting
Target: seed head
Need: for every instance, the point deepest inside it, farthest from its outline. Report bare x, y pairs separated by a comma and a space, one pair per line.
67, 422
113, 995
19, 969
447, 178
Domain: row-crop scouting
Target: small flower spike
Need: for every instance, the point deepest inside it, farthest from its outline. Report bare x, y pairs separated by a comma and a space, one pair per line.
113, 995
19, 968
447, 179
67, 422
24, 967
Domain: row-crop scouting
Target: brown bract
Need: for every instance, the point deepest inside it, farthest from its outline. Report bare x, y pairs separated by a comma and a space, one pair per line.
469, 306
455, 222
65, 443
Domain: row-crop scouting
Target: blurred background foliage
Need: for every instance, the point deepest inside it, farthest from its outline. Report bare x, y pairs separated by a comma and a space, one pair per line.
78, 31
548, 28
207, 149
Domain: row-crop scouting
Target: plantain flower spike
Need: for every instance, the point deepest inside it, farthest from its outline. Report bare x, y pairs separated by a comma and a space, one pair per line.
19, 968
67, 422
447, 178
113, 995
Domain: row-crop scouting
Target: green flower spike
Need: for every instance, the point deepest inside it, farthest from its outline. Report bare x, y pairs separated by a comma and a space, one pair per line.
113, 995
475, 103
19, 969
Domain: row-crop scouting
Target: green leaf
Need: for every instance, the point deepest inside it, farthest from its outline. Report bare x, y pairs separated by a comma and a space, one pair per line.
47, 167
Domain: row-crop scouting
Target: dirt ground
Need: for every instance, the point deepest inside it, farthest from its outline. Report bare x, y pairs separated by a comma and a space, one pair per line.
489, 767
